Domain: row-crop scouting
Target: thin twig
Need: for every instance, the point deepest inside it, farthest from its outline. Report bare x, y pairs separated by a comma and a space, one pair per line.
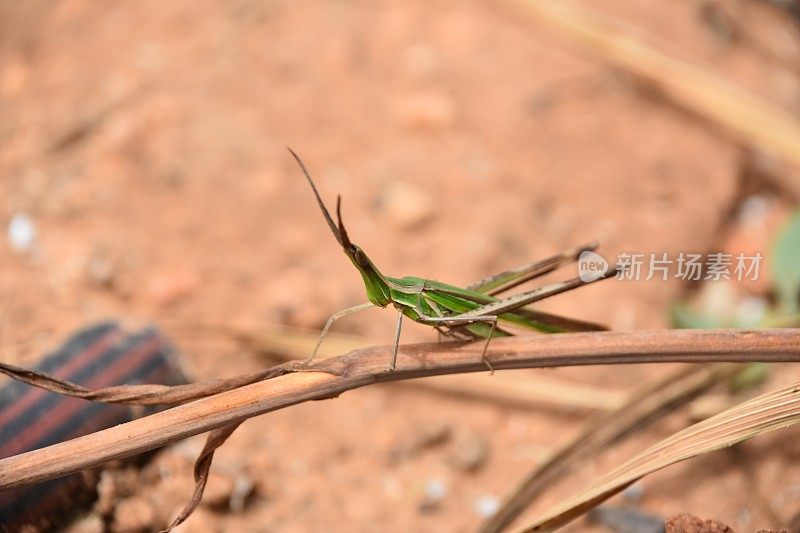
330, 378
281, 344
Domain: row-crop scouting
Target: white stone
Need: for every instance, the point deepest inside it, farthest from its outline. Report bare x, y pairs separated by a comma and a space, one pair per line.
21, 232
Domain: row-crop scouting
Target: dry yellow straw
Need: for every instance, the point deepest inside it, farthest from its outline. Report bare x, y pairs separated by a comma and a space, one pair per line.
745, 116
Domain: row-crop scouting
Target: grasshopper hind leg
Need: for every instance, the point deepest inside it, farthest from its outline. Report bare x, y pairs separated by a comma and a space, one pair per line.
454, 325
486, 346
455, 333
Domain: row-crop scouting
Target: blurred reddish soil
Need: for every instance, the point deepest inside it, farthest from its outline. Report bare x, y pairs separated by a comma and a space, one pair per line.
146, 142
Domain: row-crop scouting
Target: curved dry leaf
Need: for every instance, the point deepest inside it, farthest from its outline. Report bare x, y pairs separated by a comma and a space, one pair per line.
774, 410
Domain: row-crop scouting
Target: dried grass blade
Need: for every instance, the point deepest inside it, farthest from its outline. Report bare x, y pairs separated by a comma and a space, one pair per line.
642, 404
749, 118
775, 410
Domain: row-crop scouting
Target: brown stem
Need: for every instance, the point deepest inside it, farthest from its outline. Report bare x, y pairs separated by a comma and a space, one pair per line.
370, 365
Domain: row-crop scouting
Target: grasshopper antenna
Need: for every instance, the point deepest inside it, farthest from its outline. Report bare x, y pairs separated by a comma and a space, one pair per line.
343, 242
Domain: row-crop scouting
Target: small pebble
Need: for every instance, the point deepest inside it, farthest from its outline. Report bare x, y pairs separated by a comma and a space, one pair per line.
428, 434
744, 517
243, 487
435, 489
435, 492
633, 493
751, 311
100, 268
755, 210
469, 452
21, 233
487, 506
90, 523
626, 520
104, 505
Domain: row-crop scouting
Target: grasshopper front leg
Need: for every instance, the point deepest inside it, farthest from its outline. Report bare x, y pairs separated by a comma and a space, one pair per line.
393, 364
334, 317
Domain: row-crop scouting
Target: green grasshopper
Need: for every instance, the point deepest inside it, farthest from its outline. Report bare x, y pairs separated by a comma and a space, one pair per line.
462, 313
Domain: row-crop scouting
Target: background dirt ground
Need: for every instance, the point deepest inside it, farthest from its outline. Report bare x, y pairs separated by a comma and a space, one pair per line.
146, 141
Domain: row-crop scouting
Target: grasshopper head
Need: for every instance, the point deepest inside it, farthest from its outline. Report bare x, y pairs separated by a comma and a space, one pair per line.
377, 289
374, 282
